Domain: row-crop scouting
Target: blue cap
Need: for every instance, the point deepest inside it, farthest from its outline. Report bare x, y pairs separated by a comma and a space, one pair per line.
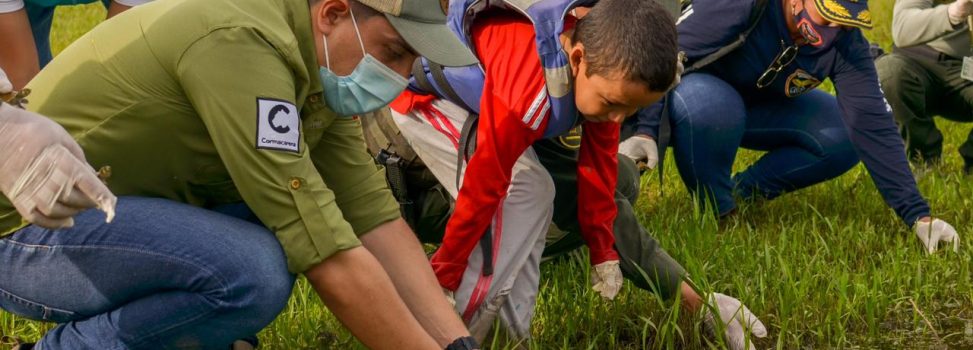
853, 13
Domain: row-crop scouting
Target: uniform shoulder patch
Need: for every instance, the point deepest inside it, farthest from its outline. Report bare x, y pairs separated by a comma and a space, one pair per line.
800, 82
278, 125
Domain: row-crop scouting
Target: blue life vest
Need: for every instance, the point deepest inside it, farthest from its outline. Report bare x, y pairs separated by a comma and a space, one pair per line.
548, 19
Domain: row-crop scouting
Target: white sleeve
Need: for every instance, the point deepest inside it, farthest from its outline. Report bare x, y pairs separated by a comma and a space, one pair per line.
7, 6
129, 3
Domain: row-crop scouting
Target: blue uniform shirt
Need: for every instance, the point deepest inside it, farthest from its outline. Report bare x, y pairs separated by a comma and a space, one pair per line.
712, 24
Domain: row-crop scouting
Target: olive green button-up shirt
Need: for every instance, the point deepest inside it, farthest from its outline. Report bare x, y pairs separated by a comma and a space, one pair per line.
917, 22
210, 102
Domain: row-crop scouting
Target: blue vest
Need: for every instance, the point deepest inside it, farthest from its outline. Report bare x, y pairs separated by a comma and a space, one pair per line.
548, 19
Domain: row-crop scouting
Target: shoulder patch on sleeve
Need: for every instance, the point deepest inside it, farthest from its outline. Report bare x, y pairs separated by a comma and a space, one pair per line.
278, 125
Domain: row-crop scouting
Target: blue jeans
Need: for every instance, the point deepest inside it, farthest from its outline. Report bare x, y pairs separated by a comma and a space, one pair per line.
805, 139
40, 18
163, 275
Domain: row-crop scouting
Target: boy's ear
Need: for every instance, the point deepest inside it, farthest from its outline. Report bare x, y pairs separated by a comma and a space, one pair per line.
575, 57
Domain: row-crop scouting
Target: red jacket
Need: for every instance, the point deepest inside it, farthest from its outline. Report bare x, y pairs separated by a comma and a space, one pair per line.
514, 112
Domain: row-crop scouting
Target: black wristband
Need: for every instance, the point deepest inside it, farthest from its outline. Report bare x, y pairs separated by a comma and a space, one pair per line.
463, 343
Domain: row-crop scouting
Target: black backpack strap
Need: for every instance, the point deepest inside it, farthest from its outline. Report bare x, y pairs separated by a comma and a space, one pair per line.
419, 73
760, 7
437, 74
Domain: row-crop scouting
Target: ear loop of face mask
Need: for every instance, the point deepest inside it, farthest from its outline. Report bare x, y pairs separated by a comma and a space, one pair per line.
327, 56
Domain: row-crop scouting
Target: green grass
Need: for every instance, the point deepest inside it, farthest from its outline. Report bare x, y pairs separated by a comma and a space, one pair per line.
827, 267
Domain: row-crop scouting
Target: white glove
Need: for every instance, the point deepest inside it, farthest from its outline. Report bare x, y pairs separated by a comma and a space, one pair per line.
640, 147
44, 173
606, 279
734, 315
959, 10
5, 86
936, 231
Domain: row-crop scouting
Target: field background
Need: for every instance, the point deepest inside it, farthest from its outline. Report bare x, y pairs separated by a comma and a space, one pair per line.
828, 267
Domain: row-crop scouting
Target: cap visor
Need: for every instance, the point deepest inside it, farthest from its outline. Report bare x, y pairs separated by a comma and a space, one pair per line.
845, 18
434, 42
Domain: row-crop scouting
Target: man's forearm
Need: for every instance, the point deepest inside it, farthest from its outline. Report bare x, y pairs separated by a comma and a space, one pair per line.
360, 294
396, 248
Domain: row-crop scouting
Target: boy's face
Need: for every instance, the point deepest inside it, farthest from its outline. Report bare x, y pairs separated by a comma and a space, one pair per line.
601, 98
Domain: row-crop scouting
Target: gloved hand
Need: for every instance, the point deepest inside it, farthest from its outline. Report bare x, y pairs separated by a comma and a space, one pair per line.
935, 231
44, 173
734, 316
640, 147
959, 10
606, 279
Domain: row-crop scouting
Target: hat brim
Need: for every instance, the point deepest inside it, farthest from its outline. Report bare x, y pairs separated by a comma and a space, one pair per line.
832, 15
434, 41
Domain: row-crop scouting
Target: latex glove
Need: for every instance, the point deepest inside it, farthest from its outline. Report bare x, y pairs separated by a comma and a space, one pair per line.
640, 147
606, 279
5, 86
936, 231
959, 10
734, 316
44, 173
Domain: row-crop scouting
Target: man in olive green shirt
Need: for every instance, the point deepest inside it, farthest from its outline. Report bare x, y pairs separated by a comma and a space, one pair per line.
206, 108
921, 77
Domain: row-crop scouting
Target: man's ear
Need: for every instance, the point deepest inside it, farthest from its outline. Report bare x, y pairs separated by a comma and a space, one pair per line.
326, 13
575, 58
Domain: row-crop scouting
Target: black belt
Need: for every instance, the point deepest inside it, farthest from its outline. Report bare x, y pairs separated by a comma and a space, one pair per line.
924, 52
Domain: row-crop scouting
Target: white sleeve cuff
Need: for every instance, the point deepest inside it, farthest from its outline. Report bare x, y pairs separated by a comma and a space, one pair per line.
7, 6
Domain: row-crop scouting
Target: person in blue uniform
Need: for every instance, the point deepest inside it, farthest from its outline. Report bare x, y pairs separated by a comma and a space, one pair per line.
762, 96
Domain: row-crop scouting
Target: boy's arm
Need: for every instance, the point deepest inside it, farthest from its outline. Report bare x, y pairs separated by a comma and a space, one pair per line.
597, 177
513, 115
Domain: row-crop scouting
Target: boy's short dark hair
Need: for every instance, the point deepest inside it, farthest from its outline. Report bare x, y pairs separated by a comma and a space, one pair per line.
634, 38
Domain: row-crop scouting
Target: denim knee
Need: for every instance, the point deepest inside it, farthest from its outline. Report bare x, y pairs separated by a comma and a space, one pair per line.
708, 103
260, 284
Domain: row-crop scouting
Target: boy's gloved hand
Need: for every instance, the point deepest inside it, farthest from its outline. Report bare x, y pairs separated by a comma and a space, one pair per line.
933, 231
639, 148
44, 173
606, 279
737, 320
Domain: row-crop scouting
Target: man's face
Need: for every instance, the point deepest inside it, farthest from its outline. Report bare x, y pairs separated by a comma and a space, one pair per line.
332, 18
607, 97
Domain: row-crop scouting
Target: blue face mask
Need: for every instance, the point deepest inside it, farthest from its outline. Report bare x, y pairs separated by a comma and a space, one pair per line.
372, 85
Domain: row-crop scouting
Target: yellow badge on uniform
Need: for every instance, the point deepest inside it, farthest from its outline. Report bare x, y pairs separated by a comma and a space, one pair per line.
799, 83
571, 140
